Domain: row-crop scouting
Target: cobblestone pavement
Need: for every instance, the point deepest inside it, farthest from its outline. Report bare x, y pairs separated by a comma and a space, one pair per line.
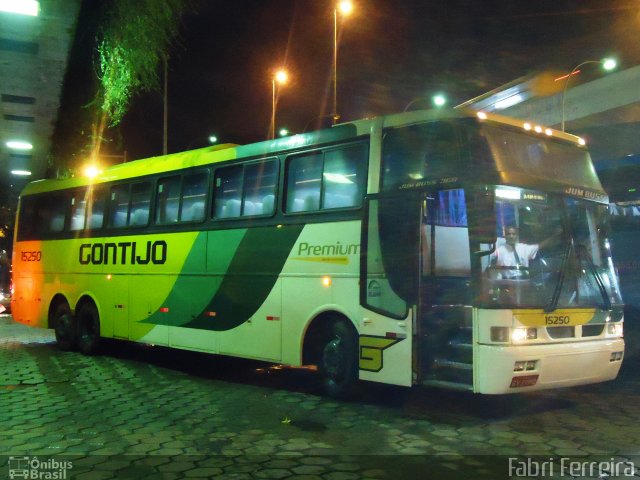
146, 412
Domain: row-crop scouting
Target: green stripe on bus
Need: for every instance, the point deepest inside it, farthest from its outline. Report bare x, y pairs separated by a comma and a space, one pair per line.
250, 278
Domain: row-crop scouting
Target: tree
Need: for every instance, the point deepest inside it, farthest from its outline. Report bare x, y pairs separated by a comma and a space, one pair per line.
132, 45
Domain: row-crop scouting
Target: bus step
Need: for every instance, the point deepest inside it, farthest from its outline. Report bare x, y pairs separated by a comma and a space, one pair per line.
448, 385
441, 363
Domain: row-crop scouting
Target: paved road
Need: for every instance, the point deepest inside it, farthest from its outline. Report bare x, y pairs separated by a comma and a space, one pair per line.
148, 412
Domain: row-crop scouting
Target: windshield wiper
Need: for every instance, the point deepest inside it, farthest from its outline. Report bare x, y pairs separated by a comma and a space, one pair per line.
551, 306
583, 254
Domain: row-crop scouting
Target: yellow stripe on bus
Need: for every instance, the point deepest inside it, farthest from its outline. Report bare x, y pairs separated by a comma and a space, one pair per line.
561, 317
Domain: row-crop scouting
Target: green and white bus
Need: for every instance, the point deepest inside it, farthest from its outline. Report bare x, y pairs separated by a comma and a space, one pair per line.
364, 250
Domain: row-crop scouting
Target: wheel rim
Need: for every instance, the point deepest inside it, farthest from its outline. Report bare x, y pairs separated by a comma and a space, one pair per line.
334, 359
63, 327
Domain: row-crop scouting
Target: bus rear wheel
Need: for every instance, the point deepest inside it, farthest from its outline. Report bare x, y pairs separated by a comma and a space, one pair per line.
64, 327
339, 361
88, 328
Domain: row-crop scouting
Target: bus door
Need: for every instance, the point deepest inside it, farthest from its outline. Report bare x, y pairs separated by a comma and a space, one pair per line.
444, 322
389, 285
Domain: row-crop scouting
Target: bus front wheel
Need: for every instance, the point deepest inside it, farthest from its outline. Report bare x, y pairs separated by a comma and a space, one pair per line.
88, 328
64, 327
339, 361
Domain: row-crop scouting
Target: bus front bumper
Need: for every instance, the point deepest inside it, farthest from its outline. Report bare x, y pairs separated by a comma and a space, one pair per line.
516, 369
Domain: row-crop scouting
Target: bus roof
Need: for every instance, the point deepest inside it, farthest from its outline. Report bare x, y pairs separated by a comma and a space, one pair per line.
227, 152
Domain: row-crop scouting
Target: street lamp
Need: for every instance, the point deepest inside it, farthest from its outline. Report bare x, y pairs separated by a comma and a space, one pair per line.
344, 7
439, 100
607, 64
280, 78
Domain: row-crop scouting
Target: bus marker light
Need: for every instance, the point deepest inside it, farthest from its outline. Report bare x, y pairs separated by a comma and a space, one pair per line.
210, 314
538, 129
482, 115
527, 126
164, 309
109, 277
614, 329
272, 318
326, 281
582, 141
548, 131
524, 381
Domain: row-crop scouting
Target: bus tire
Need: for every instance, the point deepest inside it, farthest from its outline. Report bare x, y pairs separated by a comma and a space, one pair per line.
339, 361
64, 327
88, 328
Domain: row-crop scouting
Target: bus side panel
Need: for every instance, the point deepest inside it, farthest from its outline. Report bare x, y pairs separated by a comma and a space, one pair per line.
259, 337
386, 349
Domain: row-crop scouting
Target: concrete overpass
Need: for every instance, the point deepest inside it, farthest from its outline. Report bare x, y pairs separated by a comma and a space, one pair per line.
605, 111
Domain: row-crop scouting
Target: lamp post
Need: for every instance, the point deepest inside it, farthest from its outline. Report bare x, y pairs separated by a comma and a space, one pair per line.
280, 78
607, 64
345, 7
439, 100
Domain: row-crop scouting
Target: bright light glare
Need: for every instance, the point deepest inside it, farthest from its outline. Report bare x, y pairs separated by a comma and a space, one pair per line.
23, 7
213, 139
336, 178
281, 77
609, 64
21, 173
509, 101
19, 145
439, 100
283, 132
519, 334
345, 7
91, 171
508, 193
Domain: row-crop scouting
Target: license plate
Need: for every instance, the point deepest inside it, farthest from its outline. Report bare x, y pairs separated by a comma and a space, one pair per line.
524, 381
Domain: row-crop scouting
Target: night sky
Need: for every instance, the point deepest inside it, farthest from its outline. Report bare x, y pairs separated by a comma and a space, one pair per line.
390, 52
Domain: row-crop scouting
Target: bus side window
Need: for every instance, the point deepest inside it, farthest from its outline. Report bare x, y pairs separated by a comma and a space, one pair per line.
344, 177
227, 192
118, 206
304, 181
168, 200
78, 210
260, 181
95, 212
194, 197
57, 211
140, 204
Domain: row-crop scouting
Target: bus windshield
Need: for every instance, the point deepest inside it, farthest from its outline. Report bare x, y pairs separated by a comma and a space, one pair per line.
551, 252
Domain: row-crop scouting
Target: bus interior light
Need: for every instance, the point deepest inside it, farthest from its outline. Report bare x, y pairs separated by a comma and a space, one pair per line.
510, 193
